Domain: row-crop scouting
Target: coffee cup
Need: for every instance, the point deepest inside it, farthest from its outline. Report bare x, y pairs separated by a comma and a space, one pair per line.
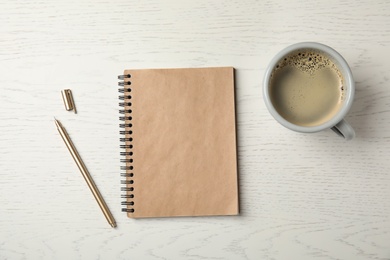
308, 87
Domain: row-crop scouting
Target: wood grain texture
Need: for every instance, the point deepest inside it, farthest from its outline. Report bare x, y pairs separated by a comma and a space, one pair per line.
303, 196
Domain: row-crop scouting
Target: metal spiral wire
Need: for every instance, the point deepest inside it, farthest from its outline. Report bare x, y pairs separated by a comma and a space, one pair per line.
125, 111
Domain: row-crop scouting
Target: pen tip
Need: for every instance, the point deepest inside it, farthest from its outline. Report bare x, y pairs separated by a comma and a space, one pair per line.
58, 124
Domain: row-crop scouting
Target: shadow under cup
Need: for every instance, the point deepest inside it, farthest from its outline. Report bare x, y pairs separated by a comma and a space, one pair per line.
308, 87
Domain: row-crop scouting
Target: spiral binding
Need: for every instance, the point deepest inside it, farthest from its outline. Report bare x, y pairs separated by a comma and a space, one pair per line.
125, 111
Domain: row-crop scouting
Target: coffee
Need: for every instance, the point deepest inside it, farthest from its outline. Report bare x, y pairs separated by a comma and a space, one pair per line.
307, 88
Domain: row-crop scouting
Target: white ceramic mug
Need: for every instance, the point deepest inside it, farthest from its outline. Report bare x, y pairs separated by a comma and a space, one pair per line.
337, 122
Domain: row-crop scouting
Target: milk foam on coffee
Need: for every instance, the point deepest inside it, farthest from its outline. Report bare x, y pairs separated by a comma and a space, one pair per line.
307, 88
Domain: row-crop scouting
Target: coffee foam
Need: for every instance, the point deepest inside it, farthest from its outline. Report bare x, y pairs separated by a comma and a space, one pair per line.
308, 61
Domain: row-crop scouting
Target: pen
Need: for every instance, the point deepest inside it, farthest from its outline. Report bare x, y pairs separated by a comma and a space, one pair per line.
91, 184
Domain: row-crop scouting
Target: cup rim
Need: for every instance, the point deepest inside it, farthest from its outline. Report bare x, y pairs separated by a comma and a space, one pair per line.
348, 78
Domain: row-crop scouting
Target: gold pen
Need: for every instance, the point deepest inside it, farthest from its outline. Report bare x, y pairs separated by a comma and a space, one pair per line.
85, 173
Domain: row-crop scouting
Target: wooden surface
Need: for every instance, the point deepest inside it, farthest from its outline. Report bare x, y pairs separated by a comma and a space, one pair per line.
303, 196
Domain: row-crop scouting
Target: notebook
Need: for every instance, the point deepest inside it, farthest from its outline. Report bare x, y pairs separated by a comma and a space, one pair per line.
179, 142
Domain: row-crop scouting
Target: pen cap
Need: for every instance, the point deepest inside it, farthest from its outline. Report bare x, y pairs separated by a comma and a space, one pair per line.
67, 97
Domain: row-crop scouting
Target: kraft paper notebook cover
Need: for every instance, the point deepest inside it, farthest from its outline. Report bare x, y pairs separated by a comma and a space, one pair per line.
180, 142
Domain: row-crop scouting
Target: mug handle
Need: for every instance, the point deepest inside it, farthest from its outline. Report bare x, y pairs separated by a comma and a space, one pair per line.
344, 129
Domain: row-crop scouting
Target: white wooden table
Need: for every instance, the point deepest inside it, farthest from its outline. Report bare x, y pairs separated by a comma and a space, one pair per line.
303, 196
